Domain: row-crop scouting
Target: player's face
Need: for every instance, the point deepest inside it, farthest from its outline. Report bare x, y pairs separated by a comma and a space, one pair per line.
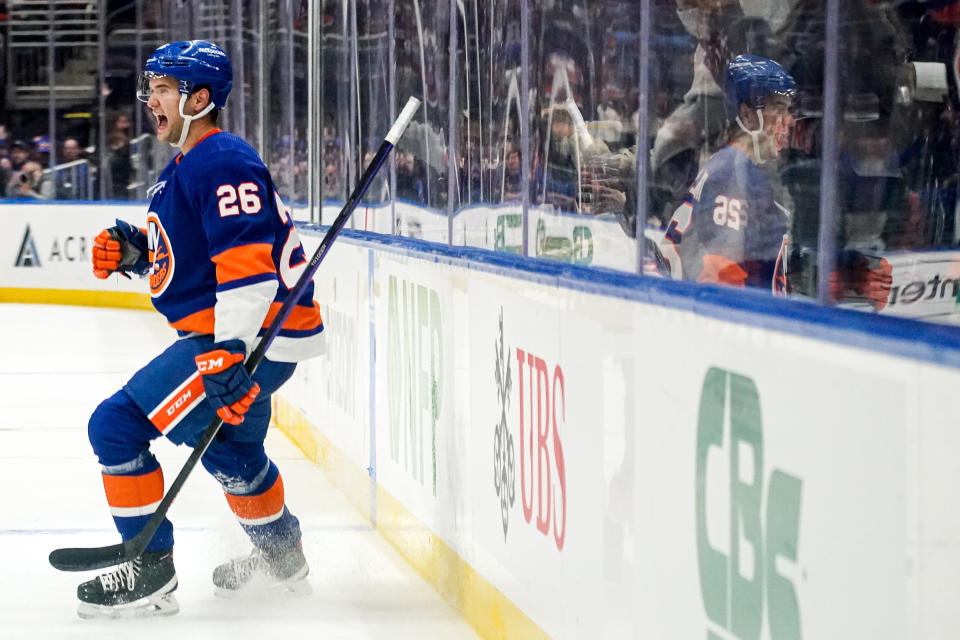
164, 104
777, 122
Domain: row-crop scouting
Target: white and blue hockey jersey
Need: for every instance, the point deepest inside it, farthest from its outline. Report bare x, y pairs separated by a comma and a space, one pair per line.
728, 230
224, 252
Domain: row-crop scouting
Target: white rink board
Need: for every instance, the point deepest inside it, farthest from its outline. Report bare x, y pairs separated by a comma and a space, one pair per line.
332, 390
837, 501
44, 246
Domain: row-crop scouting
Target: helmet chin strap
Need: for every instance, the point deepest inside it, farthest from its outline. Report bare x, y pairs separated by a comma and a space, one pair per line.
188, 119
754, 135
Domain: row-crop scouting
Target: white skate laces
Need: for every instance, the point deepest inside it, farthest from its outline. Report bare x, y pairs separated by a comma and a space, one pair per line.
125, 577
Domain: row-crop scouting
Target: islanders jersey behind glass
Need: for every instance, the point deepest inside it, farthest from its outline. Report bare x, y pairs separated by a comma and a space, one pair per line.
224, 252
729, 229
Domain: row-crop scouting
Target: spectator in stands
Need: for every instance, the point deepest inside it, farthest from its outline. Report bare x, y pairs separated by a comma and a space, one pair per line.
73, 180
562, 159
71, 150
411, 178
11, 166
28, 183
121, 166
6, 165
40, 151
19, 154
512, 175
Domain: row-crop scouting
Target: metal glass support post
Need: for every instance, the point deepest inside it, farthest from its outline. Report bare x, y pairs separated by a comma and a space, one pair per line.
313, 108
827, 244
239, 103
285, 18
102, 99
137, 67
52, 84
355, 159
263, 73
643, 134
525, 119
452, 122
392, 79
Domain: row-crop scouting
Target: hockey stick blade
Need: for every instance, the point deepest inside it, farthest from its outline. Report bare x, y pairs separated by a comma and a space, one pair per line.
87, 559
82, 559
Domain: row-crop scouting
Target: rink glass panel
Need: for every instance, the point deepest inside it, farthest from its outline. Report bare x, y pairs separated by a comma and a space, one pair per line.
421, 33
897, 159
488, 207
891, 196
373, 90
584, 79
690, 122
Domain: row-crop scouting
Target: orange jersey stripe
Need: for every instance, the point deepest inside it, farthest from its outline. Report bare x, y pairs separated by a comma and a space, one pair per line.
300, 318
200, 322
267, 504
133, 491
244, 261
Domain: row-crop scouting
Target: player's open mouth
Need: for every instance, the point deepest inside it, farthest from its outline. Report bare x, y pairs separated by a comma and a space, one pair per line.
782, 140
161, 121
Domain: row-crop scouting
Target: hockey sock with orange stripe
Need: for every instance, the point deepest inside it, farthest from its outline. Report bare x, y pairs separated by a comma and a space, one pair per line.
133, 496
263, 514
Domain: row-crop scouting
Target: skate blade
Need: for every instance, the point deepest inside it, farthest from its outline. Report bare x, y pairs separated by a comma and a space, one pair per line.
154, 606
296, 585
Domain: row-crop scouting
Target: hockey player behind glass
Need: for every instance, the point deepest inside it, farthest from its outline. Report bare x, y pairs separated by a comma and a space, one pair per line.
220, 252
729, 230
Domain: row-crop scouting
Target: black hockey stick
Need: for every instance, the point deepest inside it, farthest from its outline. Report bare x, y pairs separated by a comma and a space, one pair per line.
86, 559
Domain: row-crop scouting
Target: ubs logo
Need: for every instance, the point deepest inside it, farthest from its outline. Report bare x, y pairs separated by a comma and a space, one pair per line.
503, 466
160, 255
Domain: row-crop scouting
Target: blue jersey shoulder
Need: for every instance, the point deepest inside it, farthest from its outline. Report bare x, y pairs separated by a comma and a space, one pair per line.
222, 152
221, 165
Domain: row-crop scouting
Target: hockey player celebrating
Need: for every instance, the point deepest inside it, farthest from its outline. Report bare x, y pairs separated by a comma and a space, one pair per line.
220, 251
729, 230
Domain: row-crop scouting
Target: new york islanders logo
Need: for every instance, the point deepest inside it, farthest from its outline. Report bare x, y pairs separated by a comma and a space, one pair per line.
161, 256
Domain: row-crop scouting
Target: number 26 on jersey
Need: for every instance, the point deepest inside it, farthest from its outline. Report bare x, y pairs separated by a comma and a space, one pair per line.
246, 194
728, 212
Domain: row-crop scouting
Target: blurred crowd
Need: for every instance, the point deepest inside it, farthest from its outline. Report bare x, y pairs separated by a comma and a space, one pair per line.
899, 120
29, 170
898, 138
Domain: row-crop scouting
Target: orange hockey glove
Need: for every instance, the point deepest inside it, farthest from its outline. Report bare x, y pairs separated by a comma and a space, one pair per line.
225, 380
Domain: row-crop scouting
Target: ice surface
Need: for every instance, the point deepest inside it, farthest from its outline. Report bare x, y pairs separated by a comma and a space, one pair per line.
56, 365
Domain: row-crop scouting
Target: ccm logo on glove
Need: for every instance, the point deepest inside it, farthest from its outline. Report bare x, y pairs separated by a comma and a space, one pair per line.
215, 365
225, 380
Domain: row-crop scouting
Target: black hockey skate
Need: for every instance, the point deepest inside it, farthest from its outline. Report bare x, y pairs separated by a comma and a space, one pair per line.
284, 568
139, 588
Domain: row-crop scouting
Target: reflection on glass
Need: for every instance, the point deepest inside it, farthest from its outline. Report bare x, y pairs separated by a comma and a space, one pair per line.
726, 139
422, 51
584, 72
897, 168
374, 92
489, 153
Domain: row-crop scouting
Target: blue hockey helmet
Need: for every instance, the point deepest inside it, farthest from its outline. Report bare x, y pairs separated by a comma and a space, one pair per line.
194, 63
750, 79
